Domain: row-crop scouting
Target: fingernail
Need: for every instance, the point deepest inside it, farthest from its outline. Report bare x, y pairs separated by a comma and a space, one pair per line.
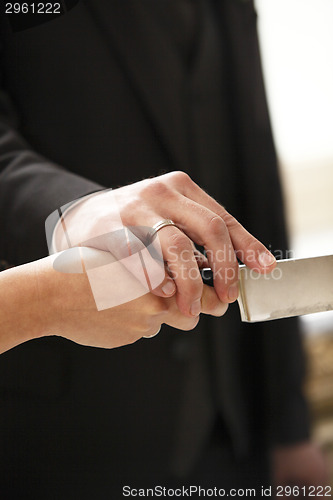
168, 288
233, 292
266, 259
196, 307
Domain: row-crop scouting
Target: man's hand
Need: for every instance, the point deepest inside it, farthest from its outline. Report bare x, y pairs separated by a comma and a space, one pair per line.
198, 217
299, 465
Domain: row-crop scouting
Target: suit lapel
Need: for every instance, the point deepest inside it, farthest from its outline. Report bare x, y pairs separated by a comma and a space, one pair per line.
151, 65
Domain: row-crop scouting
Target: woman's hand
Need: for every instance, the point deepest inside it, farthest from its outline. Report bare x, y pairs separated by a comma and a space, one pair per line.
36, 300
67, 308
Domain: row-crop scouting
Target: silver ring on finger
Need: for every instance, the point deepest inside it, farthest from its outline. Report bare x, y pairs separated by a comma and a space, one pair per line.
158, 226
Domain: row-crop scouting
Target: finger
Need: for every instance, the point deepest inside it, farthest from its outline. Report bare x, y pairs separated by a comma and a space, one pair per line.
179, 256
166, 311
201, 259
209, 230
183, 323
211, 304
159, 280
176, 319
201, 225
166, 289
249, 250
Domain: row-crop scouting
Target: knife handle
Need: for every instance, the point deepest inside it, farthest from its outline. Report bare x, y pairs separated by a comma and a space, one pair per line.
208, 279
207, 276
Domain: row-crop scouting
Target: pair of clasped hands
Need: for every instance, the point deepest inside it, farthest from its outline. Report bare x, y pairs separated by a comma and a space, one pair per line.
62, 303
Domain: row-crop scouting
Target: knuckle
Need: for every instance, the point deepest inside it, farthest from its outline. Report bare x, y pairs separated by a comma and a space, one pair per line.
128, 212
216, 226
181, 178
230, 221
190, 324
194, 284
155, 188
219, 310
180, 242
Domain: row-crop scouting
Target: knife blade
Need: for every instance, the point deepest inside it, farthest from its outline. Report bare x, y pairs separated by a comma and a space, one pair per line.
295, 287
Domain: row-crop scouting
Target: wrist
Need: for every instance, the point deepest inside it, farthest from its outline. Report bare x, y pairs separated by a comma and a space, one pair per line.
20, 318
61, 296
52, 289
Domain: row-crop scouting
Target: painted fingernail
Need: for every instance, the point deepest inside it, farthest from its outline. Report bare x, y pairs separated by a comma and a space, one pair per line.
266, 259
233, 292
196, 307
169, 288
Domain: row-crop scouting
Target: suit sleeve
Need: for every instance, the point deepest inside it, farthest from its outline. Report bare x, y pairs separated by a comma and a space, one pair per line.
31, 187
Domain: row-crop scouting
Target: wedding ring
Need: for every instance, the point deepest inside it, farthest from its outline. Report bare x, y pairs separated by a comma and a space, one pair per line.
154, 334
159, 225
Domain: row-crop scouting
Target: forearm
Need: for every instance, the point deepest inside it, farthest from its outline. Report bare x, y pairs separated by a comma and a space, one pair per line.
20, 313
36, 300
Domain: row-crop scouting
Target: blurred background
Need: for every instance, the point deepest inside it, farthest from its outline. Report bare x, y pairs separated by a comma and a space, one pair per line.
296, 38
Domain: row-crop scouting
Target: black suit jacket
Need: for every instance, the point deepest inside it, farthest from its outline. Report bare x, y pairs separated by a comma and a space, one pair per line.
93, 99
